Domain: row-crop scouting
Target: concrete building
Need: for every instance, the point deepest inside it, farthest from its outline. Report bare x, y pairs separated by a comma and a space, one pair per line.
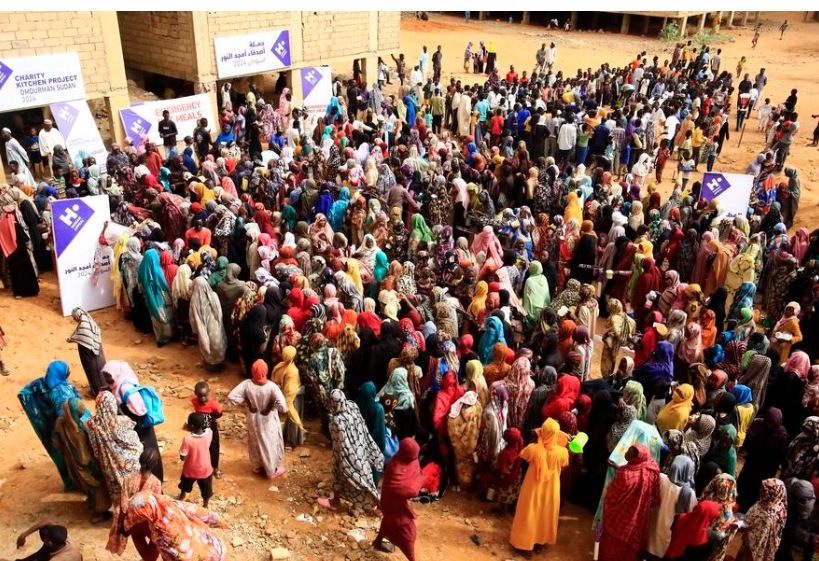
179, 48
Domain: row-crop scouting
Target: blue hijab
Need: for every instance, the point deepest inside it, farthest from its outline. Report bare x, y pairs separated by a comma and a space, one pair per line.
188, 161
744, 299
743, 394
339, 209
373, 413
382, 266
492, 335
152, 282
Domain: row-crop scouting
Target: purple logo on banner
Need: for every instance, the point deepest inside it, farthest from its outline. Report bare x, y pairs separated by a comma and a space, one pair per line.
309, 78
66, 116
134, 124
69, 218
281, 48
5, 74
713, 185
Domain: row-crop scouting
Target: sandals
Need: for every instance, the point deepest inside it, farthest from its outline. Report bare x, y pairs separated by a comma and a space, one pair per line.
325, 504
278, 473
217, 474
384, 546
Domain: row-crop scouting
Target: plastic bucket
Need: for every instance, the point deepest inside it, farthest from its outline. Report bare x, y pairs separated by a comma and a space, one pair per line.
578, 442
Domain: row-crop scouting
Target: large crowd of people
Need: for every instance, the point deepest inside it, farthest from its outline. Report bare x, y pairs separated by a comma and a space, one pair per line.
472, 288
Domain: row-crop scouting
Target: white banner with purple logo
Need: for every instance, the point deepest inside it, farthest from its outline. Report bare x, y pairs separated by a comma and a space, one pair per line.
143, 118
77, 125
317, 89
83, 266
35, 81
245, 55
733, 190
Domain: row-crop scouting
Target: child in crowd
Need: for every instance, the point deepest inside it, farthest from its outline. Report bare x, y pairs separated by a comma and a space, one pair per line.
195, 453
662, 156
146, 481
685, 166
212, 410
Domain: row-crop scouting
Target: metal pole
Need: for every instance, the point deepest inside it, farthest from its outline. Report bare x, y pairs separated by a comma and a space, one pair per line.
742, 133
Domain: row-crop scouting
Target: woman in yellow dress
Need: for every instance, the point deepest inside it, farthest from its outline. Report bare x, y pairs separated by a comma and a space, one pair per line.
538, 508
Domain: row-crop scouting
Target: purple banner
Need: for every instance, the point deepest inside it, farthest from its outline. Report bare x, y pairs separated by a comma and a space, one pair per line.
310, 77
135, 125
281, 48
70, 216
713, 185
65, 116
5, 74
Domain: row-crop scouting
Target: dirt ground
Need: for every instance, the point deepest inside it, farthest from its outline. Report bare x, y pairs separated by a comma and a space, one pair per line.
262, 515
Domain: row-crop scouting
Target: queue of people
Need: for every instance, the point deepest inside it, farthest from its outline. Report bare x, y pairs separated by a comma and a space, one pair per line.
435, 294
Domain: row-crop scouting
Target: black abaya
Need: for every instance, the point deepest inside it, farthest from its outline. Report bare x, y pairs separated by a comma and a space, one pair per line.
23, 278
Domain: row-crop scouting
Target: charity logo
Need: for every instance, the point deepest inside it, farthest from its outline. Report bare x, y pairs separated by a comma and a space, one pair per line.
65, 115
713, 185
281, 48
69, 218
135, 126
309, 78
5, 74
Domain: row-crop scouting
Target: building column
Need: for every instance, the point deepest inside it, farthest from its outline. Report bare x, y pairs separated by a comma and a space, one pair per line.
595, 21
369, 68
756, 17
702, 21
745, 18
646, 24
730, 23
481, 16
113, 104
683, 27
624, 24
525, 19
665, 22
294, 79
573, 21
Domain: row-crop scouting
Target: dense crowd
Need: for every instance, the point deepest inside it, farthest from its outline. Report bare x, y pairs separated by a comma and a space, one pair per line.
433, 275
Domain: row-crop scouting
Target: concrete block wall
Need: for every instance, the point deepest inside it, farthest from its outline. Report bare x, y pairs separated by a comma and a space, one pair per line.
389, 31
44, 33
332, 35
159, 42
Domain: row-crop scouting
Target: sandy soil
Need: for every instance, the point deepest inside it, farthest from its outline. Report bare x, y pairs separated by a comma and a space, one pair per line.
263, 516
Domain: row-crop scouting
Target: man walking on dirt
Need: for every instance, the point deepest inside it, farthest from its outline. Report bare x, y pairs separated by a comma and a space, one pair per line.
437, 56
540, 61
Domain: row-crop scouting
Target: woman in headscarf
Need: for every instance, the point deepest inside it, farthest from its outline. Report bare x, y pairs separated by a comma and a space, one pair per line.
254, 337
286, 375
493, 425
89, 345
121, 381
519, 385
167, 520
353, 299
786, 331
157, 294
678, 445
535, 294
206, 322
675, 414
18, 251
649, 280
563, 398
72, 442
396, 396
115, 444
691, 536
403, 480
677, 496
618, 332
765, 446
765, 521
373, 414
42, 400
803, 452
356, 457
498, 369
463, 427
493, 334
538, 507
660, 369
264, 401
627, 505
